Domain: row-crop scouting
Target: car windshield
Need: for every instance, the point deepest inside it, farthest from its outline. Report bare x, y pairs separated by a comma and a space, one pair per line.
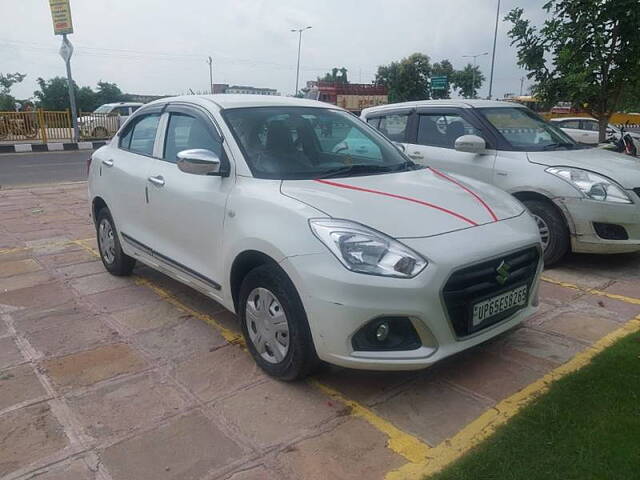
103, 109
308, 142
524, 130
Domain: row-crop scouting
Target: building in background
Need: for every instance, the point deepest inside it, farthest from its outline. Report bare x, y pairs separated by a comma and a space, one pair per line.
354, 97
243, 89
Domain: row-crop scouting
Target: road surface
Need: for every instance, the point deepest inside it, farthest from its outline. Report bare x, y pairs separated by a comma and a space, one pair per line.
44, 167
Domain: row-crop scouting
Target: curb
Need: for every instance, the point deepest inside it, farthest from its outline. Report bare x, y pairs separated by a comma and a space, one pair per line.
51, 147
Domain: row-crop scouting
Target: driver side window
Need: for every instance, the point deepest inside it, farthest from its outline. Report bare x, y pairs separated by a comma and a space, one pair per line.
442, 130
185, 132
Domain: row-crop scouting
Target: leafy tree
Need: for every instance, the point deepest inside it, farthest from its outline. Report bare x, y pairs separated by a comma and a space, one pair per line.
333, 76
7, 102
468, 81
407, 79
87, 100
108, 93
587, 52
443, 69
54, 95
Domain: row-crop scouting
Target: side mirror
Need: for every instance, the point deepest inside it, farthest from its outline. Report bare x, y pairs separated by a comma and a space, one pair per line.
199, 161
400, 147
471, 144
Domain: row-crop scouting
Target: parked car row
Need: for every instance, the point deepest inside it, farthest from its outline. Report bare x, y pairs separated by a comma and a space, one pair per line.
332, 244
586, 130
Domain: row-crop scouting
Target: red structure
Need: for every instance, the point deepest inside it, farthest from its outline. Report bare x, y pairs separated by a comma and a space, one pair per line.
351, 96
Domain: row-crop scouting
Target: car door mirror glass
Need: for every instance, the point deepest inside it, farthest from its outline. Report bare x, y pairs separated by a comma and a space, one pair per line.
199, 161
470, 144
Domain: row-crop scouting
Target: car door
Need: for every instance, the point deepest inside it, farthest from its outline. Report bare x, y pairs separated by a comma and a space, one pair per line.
125, 167
187, 211
571, 128
432, 142
590, 132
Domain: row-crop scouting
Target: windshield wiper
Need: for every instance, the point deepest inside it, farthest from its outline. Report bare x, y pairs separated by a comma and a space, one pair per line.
357, 169
553, 146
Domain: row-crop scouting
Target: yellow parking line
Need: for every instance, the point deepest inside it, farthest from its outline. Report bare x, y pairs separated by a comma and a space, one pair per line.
481, 428
399, 442
593, 291
6, 251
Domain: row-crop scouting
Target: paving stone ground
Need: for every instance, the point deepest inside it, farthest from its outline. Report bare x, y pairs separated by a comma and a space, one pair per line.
101, 378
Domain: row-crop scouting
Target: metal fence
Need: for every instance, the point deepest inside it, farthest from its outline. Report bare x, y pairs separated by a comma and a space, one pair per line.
51, 126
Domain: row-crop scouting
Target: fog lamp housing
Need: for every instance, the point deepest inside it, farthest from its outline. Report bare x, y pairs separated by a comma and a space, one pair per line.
386, 334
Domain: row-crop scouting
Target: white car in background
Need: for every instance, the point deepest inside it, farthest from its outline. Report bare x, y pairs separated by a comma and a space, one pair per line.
105, 120
586, 130
325, 240
584, 199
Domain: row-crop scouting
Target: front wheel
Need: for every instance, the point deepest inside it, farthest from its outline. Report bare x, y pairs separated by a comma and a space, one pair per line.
554, 233
274, 324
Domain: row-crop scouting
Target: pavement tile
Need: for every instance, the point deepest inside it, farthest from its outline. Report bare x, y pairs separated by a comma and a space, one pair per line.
29, 435
70, 257
152, 315
99, 283
91, 366
275, 412
41, 234
38, 296
9, 353
586, 326
16, 267
23, 281
621, 311
81, 269
212, 374
188, 337
431, 409
487, 374
581, 278
67, 470
3, 329
122, 407
628, 289
38, 318
557, 295
257, 473
18, 385
352, 451
121, 298
185, 449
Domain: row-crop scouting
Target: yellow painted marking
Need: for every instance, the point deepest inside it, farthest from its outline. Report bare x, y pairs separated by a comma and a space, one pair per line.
593, 291
84, 243
6, 251
481, 428
400, 442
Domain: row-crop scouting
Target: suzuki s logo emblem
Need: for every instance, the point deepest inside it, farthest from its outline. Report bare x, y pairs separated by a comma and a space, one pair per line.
503, 273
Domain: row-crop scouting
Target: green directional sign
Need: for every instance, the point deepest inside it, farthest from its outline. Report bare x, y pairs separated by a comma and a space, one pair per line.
439, 83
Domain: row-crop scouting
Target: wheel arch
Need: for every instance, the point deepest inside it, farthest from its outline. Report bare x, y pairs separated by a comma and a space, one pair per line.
243, 263
97, 204
525, 195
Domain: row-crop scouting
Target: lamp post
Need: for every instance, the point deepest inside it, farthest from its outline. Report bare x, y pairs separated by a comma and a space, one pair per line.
299, 32
473, 81
493, 56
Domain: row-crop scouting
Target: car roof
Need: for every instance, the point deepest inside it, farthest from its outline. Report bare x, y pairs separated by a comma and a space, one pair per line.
226, 101
558, 119
453, 102
123, 104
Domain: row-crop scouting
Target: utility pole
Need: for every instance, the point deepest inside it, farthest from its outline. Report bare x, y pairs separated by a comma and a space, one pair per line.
66, 50
299, 32
210, 62
473, 76
493, 56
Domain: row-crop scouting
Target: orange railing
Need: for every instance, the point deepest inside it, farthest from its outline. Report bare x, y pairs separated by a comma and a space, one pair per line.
36, 125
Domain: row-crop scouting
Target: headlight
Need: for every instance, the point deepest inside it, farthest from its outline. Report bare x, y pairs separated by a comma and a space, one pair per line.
592, 185
364, 250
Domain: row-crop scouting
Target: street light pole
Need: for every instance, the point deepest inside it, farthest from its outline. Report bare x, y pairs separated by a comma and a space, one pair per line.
299, 32
66, 50
493, 56
473, 76
210, 62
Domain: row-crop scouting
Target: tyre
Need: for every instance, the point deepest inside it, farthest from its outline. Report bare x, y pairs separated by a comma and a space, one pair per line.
274, 324
553, 230
114, 259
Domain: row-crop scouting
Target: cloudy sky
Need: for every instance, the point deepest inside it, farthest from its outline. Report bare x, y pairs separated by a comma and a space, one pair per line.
161, 46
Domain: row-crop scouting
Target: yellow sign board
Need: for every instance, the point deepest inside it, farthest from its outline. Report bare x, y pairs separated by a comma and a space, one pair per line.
61, 15
356, 103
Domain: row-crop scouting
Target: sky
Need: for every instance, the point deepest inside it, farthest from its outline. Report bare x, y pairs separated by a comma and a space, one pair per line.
160, 47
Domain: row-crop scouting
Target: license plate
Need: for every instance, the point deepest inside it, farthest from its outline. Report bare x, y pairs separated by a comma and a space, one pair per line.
500, 303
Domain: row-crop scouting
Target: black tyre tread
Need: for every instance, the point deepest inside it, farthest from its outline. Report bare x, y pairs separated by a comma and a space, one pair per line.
123, 264
559, 241
302, 359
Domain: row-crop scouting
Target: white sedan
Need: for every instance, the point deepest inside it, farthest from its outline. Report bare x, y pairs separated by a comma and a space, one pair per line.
349, 254
586, 130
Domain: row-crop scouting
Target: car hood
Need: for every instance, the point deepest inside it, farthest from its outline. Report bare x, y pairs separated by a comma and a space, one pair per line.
621, 168
418, 203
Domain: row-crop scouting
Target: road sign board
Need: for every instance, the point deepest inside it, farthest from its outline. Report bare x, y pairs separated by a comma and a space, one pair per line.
439, 83
61, 16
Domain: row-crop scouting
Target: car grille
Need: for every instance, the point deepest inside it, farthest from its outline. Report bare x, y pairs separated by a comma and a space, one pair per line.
478, 282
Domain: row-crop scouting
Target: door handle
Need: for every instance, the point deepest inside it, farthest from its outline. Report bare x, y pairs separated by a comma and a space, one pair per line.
157, 180
107, 163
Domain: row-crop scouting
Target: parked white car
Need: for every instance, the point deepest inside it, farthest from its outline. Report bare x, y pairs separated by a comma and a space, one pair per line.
364, 260
584, 199
586, 130
106, 119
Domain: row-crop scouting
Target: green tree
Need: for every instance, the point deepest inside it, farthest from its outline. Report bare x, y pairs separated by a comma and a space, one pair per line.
108, 93
407, 79
333, 77
7, 102
468, 81
443, 68
53, 93
587, 52
87, 99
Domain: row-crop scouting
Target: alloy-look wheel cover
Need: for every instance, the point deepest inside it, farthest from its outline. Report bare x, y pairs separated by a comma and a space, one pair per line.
107, 241
267, 325
545, 232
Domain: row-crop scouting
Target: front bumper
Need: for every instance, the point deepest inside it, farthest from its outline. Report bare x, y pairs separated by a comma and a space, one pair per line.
582, 213
339, 302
